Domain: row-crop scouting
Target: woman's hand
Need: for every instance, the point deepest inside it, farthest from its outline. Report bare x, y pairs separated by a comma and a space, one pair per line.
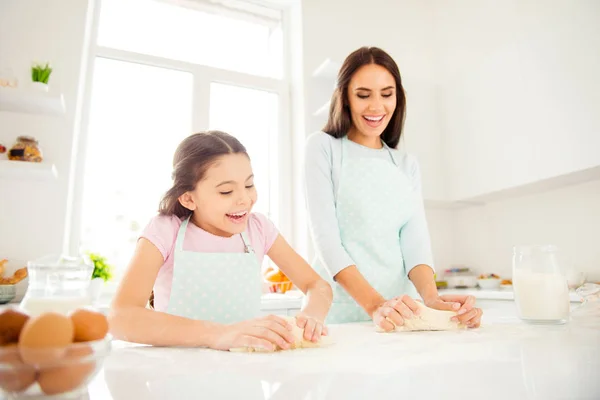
313, 327
393, 312
468, 314
261, 333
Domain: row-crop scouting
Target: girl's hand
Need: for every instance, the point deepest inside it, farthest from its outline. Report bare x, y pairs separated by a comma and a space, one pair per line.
468, 314
262, 333
393, 312
313, 327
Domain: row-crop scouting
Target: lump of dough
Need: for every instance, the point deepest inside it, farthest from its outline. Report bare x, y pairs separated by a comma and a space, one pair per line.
299, 341
428, 319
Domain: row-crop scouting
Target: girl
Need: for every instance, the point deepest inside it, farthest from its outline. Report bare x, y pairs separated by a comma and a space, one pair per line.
364, 201
202, 255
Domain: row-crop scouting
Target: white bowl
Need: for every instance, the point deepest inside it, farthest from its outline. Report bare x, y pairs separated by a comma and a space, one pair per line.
7, 293
11, 266
491, 283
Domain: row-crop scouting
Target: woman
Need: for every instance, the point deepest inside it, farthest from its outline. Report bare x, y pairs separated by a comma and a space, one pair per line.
364, 201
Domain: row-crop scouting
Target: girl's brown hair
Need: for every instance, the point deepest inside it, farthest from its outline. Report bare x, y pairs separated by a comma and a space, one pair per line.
194, 155
340, 120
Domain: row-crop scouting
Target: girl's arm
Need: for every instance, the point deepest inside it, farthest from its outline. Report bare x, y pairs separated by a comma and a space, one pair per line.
317, 290
129, 318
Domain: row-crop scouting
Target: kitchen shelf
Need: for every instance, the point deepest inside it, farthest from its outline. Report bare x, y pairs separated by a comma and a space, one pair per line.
23, 170
532, 188
540, 186
328, 69
31, 102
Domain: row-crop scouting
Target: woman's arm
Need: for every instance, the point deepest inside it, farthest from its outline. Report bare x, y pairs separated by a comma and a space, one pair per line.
320, 202
355, 284
129, 318
415, 240
422, 277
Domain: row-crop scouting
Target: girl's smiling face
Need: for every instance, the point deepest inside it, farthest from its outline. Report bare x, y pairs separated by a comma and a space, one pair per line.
223, 199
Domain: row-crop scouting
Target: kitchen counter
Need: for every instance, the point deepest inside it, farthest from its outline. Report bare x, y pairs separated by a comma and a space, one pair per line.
504, 359
293, 299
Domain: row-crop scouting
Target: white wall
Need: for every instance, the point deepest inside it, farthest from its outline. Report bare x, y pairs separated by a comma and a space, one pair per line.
483, 237
520, 90
33, 214
403, 29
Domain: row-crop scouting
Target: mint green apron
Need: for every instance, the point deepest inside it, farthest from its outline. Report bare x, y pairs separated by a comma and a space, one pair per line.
219, 287
374, 200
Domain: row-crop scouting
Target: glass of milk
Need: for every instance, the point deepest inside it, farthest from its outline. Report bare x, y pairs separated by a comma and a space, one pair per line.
58, 284
540, 284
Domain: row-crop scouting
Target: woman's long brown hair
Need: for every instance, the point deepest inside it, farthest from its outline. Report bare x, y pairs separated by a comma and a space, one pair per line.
340, 120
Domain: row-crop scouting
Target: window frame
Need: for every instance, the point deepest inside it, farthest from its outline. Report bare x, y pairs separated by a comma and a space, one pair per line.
289, 126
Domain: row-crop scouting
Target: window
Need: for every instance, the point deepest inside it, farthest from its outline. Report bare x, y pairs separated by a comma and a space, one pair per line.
134, 129
153, 86
256, 126
198, 33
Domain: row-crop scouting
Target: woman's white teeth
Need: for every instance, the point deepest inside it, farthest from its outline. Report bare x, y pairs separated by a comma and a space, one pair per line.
374, 119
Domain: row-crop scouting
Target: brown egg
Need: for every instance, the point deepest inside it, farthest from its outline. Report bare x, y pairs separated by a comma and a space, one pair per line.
45, 338
20, 376
71, 372
11, 324
89, 325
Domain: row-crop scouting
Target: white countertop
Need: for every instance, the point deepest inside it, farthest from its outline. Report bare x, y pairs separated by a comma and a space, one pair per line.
293, 299
504, 359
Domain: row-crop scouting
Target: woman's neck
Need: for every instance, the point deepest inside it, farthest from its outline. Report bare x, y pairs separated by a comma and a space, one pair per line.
374, 142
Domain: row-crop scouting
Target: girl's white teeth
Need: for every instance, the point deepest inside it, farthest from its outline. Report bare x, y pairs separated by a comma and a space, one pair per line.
240, 214
374, 119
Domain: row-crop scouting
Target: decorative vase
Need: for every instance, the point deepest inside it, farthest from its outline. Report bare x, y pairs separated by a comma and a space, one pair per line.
95, 289
39, 86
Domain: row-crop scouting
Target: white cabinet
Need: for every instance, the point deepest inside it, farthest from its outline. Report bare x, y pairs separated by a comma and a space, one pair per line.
518, 106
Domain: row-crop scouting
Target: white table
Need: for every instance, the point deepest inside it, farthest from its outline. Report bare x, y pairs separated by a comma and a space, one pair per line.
504, 359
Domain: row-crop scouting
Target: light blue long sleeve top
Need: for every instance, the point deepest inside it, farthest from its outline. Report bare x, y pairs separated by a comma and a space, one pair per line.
322, 166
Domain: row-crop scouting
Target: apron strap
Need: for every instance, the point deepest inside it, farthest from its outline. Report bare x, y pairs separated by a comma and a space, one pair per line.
391, 153
247, 244
181, 234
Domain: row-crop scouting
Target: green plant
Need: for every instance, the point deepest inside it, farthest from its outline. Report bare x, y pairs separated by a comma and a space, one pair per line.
40, 72
101, 267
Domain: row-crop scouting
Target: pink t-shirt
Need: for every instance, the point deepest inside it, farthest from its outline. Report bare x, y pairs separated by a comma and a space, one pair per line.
162, 232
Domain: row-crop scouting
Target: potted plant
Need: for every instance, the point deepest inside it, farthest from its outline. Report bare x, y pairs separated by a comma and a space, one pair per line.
40, 74
102, 274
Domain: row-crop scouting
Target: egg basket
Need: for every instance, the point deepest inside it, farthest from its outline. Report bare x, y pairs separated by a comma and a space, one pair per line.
51, 373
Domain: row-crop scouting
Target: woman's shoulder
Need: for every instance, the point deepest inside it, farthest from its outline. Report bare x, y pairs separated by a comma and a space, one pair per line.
320, 140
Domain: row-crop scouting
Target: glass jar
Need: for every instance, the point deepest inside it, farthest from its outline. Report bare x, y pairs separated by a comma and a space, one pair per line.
7, 78
540, 284
58, 284
26, 148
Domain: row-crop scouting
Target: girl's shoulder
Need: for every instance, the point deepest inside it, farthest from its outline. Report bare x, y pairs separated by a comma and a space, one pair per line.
165, 222
259, 221
260, 226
